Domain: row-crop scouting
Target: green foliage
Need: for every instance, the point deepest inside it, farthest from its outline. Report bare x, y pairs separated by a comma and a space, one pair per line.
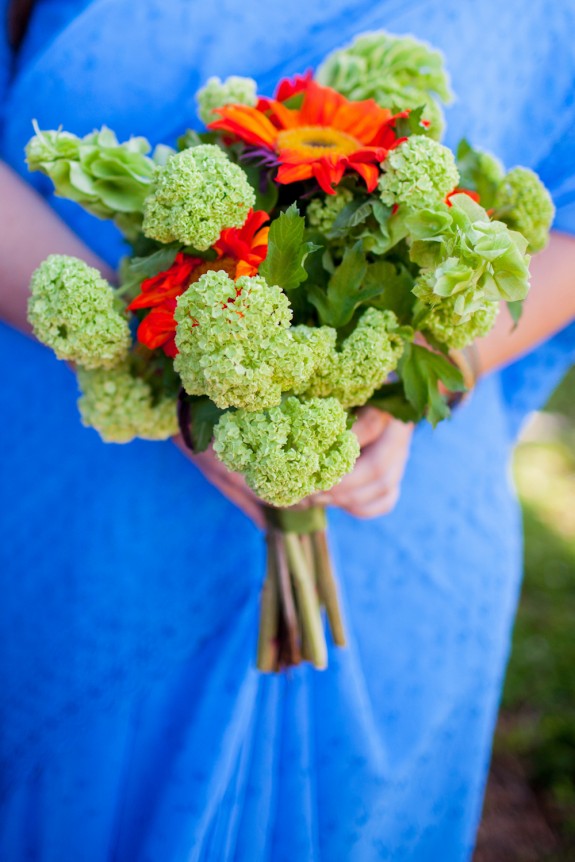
391, 399
410, 125
197, 194
344, 292
265, 189
108, 179
204, 415
479, 172
421, 371
418, 173
121, 406
465, 255
287, 251
235, 342
290, 451
74, 311
134, 270
216, 93
525, 205
396, 284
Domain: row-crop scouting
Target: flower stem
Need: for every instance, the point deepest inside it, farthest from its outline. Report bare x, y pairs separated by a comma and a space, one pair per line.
267, 655
327, 586
289, 634
307, 600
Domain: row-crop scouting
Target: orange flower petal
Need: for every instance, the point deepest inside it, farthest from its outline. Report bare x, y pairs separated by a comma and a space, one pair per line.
158, 326
249, 124
320, 105
369, 173
328, 172
293, 173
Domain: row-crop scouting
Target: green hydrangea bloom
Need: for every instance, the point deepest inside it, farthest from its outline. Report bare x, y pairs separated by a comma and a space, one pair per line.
418, 173
457, 332
322, 212
197, 194
74, 311
290, 451
396, 71
120, 406
525, 205
216, 93
353, 372
108, 179
464, 254
235, 342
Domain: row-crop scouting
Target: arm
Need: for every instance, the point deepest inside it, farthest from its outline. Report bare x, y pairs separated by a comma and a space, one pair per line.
549, 307
31, 231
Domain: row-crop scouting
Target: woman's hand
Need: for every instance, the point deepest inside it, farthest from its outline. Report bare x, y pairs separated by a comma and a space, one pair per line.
373, 486
371, 489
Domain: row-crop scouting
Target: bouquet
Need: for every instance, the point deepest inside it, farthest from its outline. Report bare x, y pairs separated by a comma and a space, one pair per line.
305, 255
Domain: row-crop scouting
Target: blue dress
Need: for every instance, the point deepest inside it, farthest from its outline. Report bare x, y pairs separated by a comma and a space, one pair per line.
134, 725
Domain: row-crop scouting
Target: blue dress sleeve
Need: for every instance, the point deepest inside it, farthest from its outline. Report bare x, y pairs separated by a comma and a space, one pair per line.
528, 383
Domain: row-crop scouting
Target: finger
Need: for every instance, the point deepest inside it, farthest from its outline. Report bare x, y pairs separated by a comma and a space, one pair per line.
383, 505
370, 424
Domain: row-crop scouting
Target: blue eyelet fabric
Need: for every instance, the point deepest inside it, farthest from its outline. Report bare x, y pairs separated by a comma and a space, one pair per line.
134, 725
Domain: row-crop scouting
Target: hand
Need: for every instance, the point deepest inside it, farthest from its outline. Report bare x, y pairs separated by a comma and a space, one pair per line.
232, 485
373, 486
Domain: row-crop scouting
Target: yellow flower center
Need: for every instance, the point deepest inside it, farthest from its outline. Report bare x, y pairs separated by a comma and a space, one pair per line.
313, 142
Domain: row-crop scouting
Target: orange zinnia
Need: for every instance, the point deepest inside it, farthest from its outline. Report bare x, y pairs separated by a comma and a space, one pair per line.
240, 252
323, 138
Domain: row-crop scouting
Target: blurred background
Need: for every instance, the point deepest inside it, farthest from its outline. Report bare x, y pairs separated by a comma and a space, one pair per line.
529, 812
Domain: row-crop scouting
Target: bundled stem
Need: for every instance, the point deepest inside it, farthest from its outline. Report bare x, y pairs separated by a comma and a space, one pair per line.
299, 581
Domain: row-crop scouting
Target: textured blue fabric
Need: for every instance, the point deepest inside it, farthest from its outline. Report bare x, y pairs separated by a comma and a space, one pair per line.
134, 727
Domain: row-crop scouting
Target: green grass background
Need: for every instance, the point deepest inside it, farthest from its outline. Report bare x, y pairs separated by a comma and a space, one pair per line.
538, 708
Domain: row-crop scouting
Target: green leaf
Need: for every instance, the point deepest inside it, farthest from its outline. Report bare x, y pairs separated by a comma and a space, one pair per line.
263, 185
391, 399
344, 290
421, 370
474, 176
515, 310
193, 139
353, 214
395, 283
204, 416
134, 270
411, 125
287, 251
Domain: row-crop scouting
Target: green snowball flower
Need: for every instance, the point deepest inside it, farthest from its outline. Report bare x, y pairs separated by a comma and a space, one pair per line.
465, 255
235, 342
121, 406
290, 451
74, 311
197, 194
457, 332
353, 372
525, 205
108, 179
418, 173
322, 212
395, 71
217, 93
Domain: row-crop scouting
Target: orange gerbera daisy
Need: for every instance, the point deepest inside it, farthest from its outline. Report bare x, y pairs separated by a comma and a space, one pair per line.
248, 245
323, 138
240, 252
